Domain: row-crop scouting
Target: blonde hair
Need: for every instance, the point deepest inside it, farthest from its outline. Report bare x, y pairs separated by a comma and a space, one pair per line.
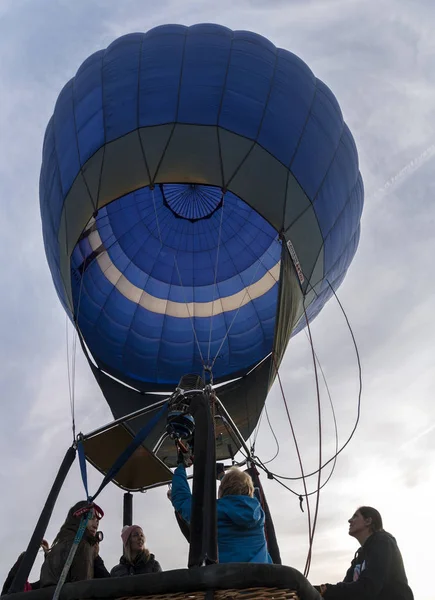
128, 554
236, 483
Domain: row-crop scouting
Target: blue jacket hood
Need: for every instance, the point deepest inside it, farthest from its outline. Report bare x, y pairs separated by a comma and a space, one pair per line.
243, 511
240, 522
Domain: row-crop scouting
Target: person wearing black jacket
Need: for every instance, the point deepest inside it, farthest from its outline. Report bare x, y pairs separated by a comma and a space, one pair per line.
377, 571
136, 559
100, 571
86, 557
11, 575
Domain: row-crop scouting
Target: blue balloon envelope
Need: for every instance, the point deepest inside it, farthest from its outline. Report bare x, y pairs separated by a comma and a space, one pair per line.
199, 191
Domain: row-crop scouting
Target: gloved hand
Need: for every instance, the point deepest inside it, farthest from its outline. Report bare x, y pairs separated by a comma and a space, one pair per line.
183, 458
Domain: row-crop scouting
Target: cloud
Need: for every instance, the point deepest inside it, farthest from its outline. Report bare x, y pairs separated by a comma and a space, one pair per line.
378, 60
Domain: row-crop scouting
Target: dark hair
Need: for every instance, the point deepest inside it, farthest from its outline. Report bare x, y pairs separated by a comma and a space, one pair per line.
71, 525
83, 560
371, 513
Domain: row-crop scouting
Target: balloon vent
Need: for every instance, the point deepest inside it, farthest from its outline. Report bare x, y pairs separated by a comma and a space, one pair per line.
192, 201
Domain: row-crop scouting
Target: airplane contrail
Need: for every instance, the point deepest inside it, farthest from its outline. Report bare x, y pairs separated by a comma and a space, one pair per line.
403, 174
417, 437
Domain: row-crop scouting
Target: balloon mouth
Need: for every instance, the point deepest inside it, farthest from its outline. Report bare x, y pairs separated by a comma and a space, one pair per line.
192, 201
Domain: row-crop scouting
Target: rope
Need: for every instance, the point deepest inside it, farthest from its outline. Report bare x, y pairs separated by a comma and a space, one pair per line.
156, 215
70, 389
256, 431
338, 451
352, 433
192, 323
277, 477
297, 451
319, 412
73, 384
235, 316
275, 438
181, 281
72, 369
215, 278
231, 435
333, 417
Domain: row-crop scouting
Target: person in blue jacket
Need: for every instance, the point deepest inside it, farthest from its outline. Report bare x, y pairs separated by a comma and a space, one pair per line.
240, 518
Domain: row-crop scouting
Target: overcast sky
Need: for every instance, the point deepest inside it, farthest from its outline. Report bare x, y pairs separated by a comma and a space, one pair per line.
378, 58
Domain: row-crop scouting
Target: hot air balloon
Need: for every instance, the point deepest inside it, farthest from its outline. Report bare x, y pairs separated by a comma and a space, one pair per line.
199, 193
200, 201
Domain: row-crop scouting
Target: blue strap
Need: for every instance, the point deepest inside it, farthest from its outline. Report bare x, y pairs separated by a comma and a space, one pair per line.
78, 538
133, 445
82, 461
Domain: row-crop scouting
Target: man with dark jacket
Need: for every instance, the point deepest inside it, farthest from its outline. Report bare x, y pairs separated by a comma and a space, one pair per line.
377, 571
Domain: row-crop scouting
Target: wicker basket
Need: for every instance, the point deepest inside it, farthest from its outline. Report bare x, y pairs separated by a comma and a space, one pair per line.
258, 593
230, 581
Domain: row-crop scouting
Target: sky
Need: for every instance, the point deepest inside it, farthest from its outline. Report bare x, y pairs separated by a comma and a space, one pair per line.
377, 57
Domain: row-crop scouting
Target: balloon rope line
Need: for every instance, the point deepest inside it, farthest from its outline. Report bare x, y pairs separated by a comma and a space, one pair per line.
215, 278
127, 205
274, 436
156, 215
359, 372
73, 383
319, 475
256, 430
266, 268
260, 258
181, 281
189, 313
334, 458
235, 316
71, 359
74, 355
334, 417
69, 379
233, 439
352, 433
259, 263
297, 448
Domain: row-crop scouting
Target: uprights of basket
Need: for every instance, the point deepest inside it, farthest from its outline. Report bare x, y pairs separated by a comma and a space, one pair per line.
212, 399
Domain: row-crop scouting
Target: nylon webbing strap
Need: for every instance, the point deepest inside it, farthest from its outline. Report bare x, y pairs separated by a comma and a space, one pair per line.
82, 462
78, 538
